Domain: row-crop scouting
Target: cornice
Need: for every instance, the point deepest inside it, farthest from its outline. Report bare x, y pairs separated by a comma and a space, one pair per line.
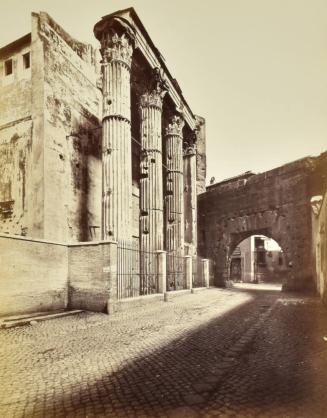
144, 43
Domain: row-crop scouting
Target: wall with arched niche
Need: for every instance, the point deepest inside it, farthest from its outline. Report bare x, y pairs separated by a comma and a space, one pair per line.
275, 203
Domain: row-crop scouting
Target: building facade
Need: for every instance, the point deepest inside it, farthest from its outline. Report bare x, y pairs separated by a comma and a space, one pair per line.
97, 145
101, 161
258, 259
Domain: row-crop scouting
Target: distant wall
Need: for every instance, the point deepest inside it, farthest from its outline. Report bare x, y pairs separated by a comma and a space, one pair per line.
319, 239
39, 275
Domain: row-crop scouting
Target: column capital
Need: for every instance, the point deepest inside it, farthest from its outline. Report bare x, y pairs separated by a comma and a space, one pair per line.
157, 89
189, 149
175, 126
117, 39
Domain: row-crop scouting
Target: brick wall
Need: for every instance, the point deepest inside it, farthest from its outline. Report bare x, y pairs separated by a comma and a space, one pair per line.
37, 275
92, 275
33, 275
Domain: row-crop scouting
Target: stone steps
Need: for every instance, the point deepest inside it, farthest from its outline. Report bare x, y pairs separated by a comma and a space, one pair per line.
33, 318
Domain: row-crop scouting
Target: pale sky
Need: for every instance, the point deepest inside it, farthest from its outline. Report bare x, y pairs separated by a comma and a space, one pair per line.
255, 69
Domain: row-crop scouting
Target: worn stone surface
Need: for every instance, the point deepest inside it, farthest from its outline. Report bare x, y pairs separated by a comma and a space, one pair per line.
240, 352
275, 203
58, 97
201, 164
72, 112
15, 140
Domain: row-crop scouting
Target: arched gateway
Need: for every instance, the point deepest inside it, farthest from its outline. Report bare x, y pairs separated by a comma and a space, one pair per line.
275, 204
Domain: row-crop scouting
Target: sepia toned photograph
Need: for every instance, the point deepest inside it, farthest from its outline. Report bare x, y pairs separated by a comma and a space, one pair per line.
163, 209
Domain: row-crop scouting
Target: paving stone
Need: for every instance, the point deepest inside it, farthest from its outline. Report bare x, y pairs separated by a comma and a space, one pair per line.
199, 355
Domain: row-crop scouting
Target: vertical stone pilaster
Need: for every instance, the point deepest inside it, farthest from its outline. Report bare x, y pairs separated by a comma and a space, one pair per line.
190, 200
188, 272
161, 271
205, 272
116, 39
174, 187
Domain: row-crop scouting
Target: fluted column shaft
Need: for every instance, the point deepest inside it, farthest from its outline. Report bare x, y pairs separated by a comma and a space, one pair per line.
174, 187
151, 186
190, 200
116, 137
151, 180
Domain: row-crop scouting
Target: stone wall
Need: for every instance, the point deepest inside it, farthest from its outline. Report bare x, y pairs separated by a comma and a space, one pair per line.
72, 135
319, 239
15, 138
275, 204
38, 275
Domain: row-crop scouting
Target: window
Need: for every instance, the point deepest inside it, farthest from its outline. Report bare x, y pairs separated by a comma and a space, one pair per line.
26, 60
8, 67
261, 257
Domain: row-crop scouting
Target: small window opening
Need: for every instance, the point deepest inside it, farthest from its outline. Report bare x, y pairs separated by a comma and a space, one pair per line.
26, 60
8, 67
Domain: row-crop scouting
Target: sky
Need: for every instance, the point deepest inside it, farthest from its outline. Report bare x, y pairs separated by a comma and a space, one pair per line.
256, 70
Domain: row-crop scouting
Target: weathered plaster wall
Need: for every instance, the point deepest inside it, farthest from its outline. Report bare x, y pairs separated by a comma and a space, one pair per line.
33, 276
319, 239
72, 138
15, 141
276, 204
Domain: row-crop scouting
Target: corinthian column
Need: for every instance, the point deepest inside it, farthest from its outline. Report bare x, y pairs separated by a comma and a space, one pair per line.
174, 187
116, 38
151, 165
151, 187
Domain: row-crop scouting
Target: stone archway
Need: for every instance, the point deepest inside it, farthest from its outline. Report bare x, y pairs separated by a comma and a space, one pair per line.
275, 203
234, 230
273, 271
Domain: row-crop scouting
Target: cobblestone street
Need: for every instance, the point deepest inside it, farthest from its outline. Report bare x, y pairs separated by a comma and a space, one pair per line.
250, 351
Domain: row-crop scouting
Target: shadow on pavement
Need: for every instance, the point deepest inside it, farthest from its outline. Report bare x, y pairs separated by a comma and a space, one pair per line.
198, 370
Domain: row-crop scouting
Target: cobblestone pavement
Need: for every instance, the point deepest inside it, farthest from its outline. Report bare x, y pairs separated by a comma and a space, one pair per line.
243, 352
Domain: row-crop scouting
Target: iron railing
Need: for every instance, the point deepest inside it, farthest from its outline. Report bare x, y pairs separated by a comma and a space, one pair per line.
136, 271
175, 272
128, 270
149, 275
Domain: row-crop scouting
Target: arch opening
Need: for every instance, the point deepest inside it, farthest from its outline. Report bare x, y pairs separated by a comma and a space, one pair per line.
258, 259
